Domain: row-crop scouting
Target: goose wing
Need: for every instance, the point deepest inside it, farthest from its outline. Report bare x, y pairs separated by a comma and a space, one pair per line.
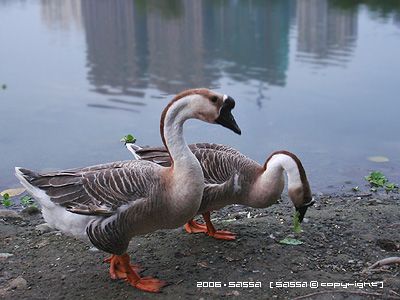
97, 190
219, 162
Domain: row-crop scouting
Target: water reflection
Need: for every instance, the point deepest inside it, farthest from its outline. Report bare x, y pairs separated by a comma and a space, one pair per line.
61, 15
197, 45
326, 36
134, 45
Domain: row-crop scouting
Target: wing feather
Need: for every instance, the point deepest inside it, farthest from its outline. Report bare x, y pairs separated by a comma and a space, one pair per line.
97, 190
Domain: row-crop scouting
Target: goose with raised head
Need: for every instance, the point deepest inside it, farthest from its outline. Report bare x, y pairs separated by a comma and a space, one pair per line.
233, 178
107, 205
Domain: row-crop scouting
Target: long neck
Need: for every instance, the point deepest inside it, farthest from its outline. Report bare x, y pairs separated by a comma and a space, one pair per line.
269, 186
171, 128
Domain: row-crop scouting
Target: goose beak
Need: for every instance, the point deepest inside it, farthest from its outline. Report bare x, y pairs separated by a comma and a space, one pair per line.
226, 118
303, 209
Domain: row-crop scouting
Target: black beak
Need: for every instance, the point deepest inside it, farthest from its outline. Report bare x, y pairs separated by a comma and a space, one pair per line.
303, 209
226, 118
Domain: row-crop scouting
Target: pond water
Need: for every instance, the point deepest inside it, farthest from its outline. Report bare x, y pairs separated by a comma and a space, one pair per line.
315, 77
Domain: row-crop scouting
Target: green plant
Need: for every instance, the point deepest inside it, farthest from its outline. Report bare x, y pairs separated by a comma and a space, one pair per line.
28, 202
296, 227
4, 86
391, 187
6, 200
128, 139
377, 180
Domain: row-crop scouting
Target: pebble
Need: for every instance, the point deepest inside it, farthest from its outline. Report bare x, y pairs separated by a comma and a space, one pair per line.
5, 213
30, 210
6, 255
43, 228
18, 283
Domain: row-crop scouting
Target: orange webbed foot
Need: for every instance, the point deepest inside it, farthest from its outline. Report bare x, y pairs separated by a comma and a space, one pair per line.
209, 229
116, 269
149, 284
223, 235
195, 227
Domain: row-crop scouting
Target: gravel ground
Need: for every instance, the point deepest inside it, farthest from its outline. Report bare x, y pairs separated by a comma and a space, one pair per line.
342, 237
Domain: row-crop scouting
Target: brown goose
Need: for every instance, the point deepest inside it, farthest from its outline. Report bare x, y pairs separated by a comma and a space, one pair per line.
233, 178
106, 205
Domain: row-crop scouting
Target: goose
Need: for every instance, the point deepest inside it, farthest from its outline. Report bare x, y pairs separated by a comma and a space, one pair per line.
233, 178
107, 205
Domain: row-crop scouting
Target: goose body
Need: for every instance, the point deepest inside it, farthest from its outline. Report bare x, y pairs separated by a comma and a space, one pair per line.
106, 205
233, 178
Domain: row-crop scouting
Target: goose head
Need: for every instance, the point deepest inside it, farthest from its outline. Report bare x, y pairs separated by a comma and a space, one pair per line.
302, 198
205, 105
202, 104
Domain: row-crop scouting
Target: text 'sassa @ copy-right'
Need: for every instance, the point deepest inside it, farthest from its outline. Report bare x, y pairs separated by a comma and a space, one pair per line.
316, 284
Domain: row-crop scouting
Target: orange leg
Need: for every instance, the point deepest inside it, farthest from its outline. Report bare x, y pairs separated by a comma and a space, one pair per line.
116, 270
121, 264
195, 227
209, 229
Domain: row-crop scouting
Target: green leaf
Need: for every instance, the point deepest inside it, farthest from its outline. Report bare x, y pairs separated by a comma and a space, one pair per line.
4, 86
297, 228
128, 139
291, 241
6, 201
6, 196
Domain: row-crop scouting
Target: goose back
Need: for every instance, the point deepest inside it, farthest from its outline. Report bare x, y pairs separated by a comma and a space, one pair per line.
229, 175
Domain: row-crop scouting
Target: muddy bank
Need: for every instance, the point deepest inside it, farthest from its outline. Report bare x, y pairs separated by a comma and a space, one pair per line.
343, 236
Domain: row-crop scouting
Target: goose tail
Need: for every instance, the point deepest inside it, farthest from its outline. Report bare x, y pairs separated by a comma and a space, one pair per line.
26, 177
133, 148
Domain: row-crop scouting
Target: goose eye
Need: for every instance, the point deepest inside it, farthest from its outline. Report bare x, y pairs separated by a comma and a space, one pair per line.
214, 99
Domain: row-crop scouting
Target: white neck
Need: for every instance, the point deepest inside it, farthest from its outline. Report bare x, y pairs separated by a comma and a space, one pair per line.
269, 186
185, 165
280, 162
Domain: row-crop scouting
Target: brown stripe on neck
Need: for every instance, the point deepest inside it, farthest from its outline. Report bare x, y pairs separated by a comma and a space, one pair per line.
176, 98
302, 172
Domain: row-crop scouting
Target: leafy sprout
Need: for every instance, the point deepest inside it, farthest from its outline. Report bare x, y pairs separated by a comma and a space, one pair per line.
297, 228
377, 180
28, 202
128, 139
6, 200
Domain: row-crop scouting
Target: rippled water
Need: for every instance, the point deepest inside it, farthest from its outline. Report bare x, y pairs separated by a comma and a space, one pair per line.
315, 77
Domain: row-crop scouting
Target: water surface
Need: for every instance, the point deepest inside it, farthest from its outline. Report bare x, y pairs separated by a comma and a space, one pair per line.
317, 78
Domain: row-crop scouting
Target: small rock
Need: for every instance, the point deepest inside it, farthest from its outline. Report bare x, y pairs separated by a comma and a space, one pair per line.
374, 202
3, 293
30, 210
10, 214
43, 228
6, 255
18, 283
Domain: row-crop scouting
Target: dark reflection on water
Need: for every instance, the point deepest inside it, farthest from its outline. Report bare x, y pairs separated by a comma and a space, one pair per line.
136, 44
326, 35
